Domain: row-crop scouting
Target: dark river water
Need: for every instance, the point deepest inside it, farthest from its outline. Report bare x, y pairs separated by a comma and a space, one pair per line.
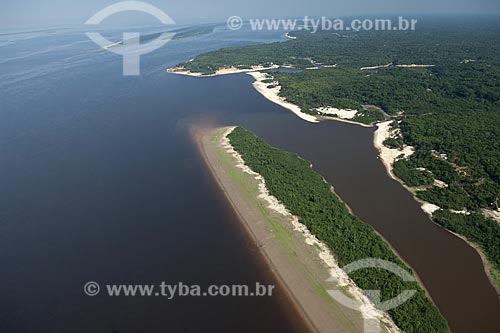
101, 181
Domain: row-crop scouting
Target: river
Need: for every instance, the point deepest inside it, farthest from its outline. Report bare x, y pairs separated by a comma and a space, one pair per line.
101, 181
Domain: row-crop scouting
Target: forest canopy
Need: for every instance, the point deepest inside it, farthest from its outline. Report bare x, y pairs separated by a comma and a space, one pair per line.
448, 107
308, 196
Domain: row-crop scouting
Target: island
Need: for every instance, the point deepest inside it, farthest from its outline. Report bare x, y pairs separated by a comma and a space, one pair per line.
289, 208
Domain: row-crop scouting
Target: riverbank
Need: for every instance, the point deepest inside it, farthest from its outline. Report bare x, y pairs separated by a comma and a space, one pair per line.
272, 91
272, 94
388, 156
180, 70
300, 261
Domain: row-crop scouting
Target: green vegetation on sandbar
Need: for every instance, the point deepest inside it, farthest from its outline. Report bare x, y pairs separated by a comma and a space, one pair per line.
308, 196
449, 111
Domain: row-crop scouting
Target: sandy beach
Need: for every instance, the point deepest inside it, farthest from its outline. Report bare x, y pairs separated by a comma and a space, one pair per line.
492, 214
223, 71
375, 67
341, 113
400, 66
305, 271
272, 94
302, 263
388, 155
415, 66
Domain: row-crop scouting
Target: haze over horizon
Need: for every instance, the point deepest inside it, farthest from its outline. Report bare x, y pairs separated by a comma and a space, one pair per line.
15, 13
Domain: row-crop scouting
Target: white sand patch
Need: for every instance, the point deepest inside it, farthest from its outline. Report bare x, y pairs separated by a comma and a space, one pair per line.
341, 113
223, 71
272, 94
430, 208
401, 66
367, 309
389, 155
492, 214
440, 183
375, 67
463, 211
415, 66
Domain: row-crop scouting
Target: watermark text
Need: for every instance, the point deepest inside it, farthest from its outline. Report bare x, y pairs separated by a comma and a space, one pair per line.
324, 24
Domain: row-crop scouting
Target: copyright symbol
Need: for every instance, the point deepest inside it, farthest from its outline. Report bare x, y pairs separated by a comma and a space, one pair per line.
235, 23
91, 288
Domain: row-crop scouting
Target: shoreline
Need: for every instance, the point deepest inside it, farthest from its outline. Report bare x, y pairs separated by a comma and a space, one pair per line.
273, 96
311, 265
386, 155
486, 263
179, 70
343, 120
206, 148
389, 155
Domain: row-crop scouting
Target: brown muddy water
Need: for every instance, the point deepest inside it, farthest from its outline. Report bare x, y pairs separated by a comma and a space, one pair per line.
450, 269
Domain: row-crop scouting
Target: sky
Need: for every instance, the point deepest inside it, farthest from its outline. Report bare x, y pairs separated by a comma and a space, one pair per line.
75, 12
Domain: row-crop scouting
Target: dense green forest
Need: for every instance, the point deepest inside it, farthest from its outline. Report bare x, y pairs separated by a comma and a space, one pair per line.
309, 197
477, 229
450, 111
440, 43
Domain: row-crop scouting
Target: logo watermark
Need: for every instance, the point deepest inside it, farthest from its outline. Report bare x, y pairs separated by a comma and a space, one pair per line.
170, 291
372, 325
131, 40
324, 24
91, 288
235, 23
